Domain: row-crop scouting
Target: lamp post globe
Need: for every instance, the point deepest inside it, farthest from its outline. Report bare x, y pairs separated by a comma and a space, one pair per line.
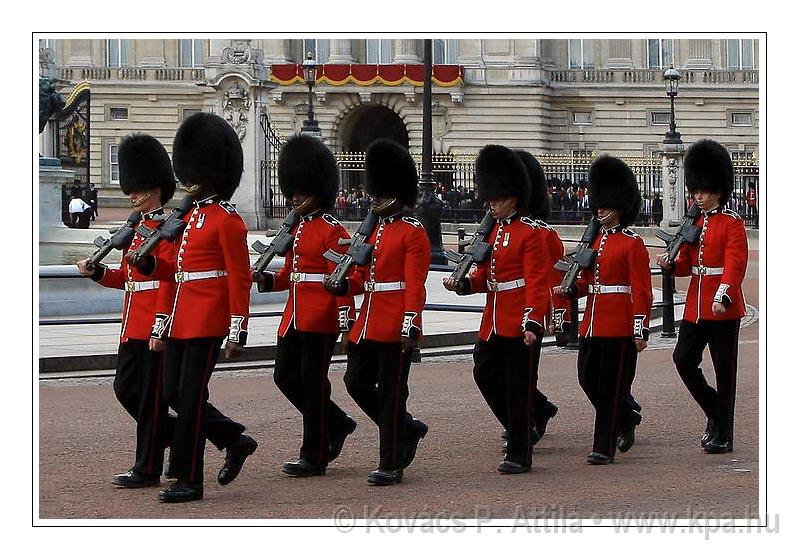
672, 77
310, 125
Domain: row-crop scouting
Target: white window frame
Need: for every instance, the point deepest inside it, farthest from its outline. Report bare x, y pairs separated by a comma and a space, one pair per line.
385, 49
118, 62
113, 163
450, 51
193, 63
749, 118
741, 44
313, 46
575, 122
661, 62
653, 120
111, 113
582, 65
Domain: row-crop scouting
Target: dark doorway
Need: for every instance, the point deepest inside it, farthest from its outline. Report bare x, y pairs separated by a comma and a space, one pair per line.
368, 123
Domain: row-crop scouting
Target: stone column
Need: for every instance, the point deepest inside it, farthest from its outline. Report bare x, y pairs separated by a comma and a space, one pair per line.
276, 51
152, 53
672, 181
699, 55
79, 52
405, 52
51, 177
341, 52
619, 54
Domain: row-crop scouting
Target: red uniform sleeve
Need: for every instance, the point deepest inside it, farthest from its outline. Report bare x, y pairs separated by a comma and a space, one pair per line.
418, 261
734, 262
585, 277
233, 240
280, 279
477, 278
683, 265
344, 303
165, 255
166, 260
356, 279
536, 258
113, 277
641, 288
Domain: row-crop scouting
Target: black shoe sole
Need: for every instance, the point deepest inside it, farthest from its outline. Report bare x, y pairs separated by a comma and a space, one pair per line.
129, 486
385, 481
502, 471
176, 500
249, 449
302, 474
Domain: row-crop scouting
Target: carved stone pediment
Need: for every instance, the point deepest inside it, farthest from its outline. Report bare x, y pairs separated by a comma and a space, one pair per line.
236, 104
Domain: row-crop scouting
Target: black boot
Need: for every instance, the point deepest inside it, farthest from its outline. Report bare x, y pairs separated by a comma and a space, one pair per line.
181, 491
235, 457
301, 468
383, 477
541, 418
336, 441
133, 479
596, 458
627, 432
708, 435
417, 429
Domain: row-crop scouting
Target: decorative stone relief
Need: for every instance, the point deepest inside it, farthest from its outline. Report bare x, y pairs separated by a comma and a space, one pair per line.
242, 53
672, 179
236, 105
366, 96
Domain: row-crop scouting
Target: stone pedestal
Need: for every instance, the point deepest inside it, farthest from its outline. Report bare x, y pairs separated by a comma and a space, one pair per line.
51, 177
672, 181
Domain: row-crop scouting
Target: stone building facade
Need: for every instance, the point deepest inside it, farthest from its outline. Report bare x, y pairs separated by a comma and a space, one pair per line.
562, 95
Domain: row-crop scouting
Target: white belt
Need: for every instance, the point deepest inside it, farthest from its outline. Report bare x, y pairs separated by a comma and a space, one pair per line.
383, 286
189, 276
141, 286
305, 277
600, 289
707, 270
493, 286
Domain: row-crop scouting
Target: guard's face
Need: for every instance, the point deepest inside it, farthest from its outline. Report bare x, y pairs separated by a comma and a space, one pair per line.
608, 216
303, 203
706, 200
147, 200
503, 207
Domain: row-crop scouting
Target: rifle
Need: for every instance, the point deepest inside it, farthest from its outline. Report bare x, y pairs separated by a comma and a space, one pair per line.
279, 245
358, 253
120, 239
477, 250
687, 233
581, 257
170, 227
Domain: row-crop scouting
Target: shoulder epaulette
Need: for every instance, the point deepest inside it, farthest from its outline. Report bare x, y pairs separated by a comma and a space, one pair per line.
227, 206
630, 233
413, 221
330, 219
731, 213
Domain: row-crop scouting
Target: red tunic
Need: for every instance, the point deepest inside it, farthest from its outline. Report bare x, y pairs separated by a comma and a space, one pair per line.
215, 239
402, 253
519, 252
622, 261
138, 307
722, 244
310, 307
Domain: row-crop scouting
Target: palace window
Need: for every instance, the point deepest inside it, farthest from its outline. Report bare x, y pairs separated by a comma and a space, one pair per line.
740, 54
192, 53
380, 51
581, 118
741, 119
118, 52
118, 113
445, 51
581, 54
113, 164
660, 53
659, 117
320, 49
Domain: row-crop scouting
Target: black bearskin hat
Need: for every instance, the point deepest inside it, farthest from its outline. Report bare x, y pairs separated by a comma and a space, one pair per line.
708, 167
306, 165
207, 152
391, 171
144, 164
500, 173
613, 185
539, 205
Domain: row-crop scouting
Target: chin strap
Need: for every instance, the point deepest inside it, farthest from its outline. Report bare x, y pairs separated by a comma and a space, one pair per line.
141, 200
388, 207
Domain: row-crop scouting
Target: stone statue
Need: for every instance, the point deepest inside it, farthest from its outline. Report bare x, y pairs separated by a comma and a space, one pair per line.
50, 102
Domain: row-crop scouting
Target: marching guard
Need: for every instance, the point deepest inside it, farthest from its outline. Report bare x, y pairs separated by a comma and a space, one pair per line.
714, 303
210, 302
313, 318
516, 278
615, 325
145, 175
390, 321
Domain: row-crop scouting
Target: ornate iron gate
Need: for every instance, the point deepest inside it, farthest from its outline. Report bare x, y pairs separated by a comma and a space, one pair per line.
74, 132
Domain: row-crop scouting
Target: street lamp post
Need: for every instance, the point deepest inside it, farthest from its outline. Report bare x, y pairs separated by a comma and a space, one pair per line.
310, 125
672, 77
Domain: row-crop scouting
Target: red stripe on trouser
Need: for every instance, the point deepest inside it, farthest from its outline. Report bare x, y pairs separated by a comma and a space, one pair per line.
323, 373
154, 430
615, 403
206, 378
395, 421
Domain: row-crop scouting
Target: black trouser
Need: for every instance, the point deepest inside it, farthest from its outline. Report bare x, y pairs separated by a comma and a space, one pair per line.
138, 385
188, 365
377, 379
722, 338
606, 367
506, 371
302, 360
